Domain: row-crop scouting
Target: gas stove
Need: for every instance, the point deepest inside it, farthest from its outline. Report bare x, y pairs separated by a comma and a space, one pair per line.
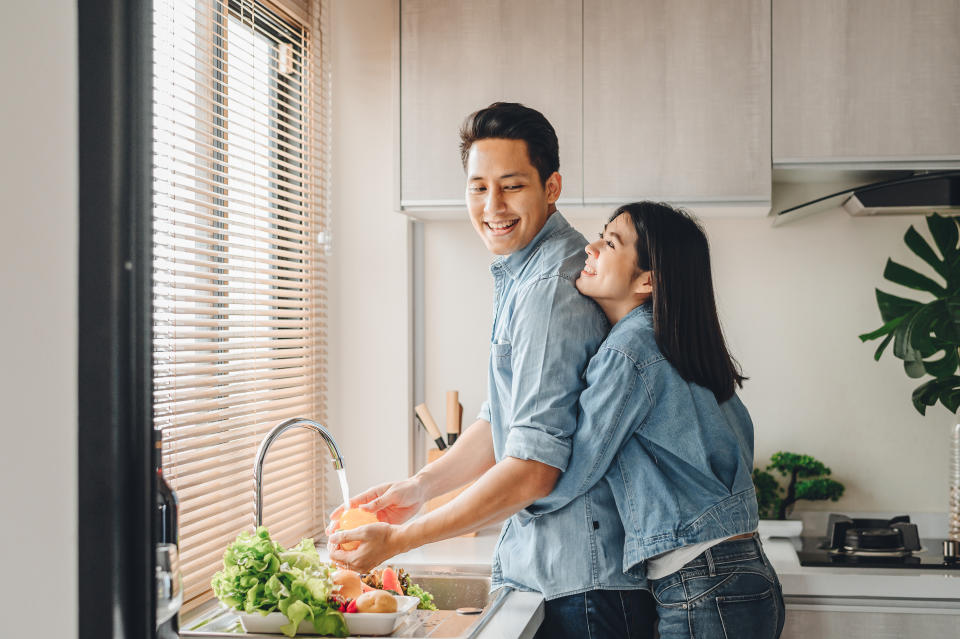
880, 543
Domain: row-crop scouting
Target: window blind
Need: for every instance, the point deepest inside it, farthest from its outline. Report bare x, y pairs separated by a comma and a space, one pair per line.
238, 274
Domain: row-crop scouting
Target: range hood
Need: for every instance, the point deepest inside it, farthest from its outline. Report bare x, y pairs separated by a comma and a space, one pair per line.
888, 193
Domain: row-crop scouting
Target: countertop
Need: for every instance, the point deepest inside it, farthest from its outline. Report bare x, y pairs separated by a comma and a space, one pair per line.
800, 583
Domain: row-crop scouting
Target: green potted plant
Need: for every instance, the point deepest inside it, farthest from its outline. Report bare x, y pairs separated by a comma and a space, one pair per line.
926, 335
808, 479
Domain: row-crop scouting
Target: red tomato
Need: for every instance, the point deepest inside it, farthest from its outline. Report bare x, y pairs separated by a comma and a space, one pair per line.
390, 581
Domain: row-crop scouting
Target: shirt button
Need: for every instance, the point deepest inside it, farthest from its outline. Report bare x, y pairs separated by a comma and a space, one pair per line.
684, 606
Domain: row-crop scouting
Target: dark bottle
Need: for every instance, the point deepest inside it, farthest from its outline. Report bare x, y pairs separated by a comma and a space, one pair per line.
168, 505
165, 524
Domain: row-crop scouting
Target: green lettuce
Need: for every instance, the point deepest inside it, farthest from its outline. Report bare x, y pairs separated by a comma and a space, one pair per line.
260, 576
426, 599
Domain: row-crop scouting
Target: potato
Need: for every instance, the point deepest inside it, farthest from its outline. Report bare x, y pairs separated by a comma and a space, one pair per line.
376, 601
350, 585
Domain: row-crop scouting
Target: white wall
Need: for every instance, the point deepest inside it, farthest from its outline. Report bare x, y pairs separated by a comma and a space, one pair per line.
792, 301
38, 286
369, 313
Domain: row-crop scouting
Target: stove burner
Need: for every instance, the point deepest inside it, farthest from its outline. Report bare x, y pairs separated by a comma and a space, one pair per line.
880, 543
895, 537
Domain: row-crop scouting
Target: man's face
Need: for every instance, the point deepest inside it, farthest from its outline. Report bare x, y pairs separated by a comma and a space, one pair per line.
507, 203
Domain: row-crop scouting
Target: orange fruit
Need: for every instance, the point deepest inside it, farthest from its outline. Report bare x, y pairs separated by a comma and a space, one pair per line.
354, 518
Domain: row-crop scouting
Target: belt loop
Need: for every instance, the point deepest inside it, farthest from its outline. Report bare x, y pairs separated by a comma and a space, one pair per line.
711, 569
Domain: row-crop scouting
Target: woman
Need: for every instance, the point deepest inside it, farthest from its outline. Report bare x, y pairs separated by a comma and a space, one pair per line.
661, 423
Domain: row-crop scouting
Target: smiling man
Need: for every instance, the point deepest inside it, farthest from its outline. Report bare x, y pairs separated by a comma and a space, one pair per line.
544, 333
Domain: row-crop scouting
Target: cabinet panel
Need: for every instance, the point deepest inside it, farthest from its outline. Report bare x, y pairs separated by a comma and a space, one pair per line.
456, 57
806, 622
866, 79
676, 99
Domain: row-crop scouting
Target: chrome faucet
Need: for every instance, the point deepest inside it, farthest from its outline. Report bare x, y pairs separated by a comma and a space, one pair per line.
275, 432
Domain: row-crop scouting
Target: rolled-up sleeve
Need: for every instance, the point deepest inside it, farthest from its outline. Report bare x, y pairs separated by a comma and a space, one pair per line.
612, 407
555, 331
484, 413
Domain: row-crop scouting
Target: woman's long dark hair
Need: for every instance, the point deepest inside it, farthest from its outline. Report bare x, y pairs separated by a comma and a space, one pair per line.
671, 244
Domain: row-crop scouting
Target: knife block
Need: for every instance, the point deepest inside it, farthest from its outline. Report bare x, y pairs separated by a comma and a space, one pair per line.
440, 500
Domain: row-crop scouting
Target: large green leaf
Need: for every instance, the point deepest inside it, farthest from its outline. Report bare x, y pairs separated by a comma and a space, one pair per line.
951, 399
903, 346
919, 246
883, 330
943, 367
945, 235
883, 345
952, 319
900, 274
920, 330
929, 393
914, 368
892, 306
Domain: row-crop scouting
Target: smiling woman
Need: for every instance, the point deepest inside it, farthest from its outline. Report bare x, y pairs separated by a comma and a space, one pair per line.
238, 271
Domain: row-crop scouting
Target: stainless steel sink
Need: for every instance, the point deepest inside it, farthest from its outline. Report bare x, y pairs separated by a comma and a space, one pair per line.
451, 592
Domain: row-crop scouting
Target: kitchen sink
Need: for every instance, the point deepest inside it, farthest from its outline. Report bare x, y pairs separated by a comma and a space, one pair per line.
451, 592
464, 601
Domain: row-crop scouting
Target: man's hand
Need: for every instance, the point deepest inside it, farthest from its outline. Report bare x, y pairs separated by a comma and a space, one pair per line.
378, 543
392, 502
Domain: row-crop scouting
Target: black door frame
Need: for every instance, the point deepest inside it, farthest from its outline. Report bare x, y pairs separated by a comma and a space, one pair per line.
115, 482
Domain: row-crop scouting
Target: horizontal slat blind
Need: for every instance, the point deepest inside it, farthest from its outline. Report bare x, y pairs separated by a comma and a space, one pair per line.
239, 339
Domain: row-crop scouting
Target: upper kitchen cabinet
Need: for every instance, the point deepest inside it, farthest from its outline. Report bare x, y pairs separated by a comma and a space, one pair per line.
676, 101
456, 57
864, 80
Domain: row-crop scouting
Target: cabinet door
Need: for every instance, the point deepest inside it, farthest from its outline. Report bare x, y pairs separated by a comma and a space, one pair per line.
866, 79
457, 57
894, 620
676, 100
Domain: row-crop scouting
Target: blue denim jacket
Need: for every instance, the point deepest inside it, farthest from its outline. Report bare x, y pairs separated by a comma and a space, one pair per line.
544, 333
678, 463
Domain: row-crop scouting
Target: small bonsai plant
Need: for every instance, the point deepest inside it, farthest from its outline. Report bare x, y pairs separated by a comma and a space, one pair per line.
808, 480
920, 331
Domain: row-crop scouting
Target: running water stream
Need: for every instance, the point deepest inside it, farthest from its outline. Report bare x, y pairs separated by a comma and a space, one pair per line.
342, 475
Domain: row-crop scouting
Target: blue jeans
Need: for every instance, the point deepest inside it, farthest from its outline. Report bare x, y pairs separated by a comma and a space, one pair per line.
729, 592
600, 614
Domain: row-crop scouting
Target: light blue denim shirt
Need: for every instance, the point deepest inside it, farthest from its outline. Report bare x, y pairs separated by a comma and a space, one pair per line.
678, 463
544, 333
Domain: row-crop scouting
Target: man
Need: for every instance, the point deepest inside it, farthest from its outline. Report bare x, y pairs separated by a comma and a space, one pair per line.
544, 333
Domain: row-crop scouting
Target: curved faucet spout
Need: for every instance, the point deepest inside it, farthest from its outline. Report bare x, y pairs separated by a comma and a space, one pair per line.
275, 432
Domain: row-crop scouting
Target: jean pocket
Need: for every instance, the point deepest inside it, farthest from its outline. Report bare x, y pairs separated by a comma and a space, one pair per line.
669, 591
750, 616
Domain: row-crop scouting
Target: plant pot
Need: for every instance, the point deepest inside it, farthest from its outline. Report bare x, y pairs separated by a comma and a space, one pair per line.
779, 528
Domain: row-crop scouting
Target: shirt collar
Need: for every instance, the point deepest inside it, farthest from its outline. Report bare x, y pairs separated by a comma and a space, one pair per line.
513, 264
644, 311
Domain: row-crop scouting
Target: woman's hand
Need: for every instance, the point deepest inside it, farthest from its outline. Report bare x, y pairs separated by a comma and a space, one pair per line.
393, 502
378, 543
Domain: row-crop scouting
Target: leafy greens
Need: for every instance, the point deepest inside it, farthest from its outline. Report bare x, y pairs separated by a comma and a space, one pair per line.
260, 576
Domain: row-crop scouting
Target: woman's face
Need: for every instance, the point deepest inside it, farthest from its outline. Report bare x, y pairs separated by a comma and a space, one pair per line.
610, 274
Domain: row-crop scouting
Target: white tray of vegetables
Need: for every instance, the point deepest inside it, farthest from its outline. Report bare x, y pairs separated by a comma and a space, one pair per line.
294, 591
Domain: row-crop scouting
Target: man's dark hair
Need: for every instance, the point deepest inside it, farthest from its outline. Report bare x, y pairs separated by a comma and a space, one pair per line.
514, 121
672, 245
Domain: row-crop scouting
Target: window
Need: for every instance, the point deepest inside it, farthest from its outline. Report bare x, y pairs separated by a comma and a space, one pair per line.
238, 277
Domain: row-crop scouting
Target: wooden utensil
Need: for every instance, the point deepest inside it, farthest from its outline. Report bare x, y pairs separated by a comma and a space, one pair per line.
453, 416
427, 420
